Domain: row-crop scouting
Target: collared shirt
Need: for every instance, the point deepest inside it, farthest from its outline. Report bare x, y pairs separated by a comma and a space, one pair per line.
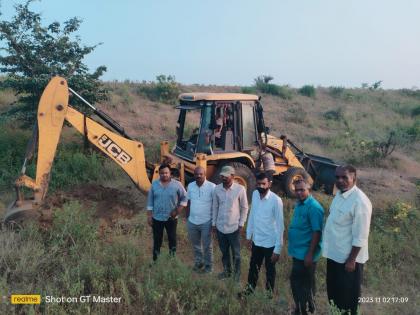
163, 199
265, 223
201, 200
308, 217
348, 225
230, 208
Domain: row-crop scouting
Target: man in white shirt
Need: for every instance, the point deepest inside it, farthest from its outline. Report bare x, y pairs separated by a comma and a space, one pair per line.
264, 233
230, 209
346, 240
199, 208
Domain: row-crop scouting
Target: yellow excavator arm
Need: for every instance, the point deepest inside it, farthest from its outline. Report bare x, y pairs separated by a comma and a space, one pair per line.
53, 109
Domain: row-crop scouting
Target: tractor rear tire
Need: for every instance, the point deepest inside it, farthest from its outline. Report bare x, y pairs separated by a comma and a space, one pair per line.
291, 175
243, 176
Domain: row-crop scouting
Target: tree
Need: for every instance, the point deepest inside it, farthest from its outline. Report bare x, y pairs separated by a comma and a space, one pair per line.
32, 53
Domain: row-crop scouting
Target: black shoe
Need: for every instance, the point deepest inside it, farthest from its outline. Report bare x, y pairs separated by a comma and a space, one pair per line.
223, 275
247, 291
198, 267
207, 269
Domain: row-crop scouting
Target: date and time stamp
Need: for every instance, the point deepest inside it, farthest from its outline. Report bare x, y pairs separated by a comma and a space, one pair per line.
383, 299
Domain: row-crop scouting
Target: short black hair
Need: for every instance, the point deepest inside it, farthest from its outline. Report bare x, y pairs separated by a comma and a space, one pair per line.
164, 165
263, 175
349, 168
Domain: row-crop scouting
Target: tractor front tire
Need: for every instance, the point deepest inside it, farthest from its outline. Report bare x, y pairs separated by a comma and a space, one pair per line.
290, 176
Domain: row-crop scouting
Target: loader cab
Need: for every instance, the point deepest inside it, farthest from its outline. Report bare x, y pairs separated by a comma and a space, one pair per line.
216, 123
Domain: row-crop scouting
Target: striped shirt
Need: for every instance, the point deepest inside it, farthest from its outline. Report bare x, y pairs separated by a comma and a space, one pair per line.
230, 208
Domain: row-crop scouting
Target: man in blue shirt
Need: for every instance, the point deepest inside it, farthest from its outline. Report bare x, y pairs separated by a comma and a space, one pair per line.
166, 199
305, 247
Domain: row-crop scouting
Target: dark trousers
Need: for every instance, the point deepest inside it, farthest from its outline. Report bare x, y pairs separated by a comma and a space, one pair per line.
170, 227
258, 254
230, 243
302, 281
343, 287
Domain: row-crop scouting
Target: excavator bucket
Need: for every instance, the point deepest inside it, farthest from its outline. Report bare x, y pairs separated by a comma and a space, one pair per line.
20, 212
50, 117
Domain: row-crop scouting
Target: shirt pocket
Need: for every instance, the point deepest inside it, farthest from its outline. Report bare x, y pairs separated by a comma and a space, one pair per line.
194, 195
342, 218
300, 221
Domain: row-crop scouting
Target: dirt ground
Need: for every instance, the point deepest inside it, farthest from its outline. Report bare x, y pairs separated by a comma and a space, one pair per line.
110, 204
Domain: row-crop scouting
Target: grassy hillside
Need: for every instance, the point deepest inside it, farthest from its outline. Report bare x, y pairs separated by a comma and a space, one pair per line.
98, 242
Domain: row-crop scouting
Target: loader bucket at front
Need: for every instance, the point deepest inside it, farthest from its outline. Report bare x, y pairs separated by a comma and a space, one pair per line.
321, 169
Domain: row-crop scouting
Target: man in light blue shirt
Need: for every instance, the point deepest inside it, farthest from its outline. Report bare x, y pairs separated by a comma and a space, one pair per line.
199, 213
305, 247
165, 200
265, 228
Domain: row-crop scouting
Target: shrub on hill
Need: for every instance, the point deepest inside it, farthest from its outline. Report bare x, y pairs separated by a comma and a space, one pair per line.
336, 91
165, 89
262, 84
307, 90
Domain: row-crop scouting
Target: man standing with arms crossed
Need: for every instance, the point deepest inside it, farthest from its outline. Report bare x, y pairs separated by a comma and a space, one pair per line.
346, 240
165, 200
264, 233
200, 199
305, 247
230, 209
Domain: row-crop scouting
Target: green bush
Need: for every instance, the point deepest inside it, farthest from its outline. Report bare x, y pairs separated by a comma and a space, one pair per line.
284, 92
307, 90
249, 90
336, 91
413, 131
73, 228
123, 90
165, 89
298, 115
7, 97
415, 111
12, 145
410, 93
72, 166
334, 114
263, 85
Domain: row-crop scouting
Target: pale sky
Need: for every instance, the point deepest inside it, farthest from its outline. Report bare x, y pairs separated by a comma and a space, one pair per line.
319, 42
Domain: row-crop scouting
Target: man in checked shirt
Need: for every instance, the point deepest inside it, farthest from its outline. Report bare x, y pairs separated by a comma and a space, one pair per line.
230, 209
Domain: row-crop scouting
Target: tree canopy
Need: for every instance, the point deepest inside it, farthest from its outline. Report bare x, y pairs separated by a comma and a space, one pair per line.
31, 53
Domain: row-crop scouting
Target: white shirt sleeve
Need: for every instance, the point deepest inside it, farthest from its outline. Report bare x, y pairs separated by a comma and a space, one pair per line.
243, 206
361, 223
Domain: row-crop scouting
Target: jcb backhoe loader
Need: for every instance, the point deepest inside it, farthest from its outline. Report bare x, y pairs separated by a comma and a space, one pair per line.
213, 130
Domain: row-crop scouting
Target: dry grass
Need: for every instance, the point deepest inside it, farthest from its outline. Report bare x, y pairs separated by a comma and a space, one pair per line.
117, 262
